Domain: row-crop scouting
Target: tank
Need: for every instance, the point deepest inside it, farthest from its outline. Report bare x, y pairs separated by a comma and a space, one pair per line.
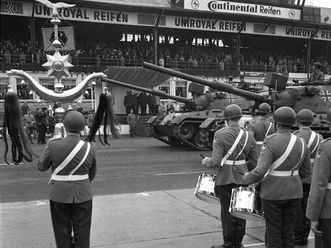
183, 128
278, 93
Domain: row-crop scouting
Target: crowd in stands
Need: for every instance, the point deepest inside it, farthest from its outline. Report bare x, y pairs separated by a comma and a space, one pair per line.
173, 56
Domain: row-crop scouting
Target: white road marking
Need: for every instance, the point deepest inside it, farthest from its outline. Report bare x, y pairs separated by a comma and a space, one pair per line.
179, 173
260, 244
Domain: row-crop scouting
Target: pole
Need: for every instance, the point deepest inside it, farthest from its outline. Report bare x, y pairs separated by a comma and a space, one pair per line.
156, 41
308, 57
33, 36
237, 52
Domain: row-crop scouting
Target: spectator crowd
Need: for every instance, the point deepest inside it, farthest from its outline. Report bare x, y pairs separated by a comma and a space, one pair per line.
173, 56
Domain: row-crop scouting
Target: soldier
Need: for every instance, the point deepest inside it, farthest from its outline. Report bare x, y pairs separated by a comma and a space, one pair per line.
73, 166
283, 163
304, 118
317, 77
319, 201
262, 127
243, 84
234, 152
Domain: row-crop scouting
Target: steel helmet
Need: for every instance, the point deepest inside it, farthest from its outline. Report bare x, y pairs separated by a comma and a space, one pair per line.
328, 116
264, 108
285, 116
74, 121
232, 111
305, 116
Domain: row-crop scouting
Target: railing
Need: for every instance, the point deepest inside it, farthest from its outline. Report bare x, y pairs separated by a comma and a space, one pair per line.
87, 64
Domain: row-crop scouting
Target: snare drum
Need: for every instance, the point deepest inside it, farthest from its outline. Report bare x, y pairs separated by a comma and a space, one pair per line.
205, 189
244, 204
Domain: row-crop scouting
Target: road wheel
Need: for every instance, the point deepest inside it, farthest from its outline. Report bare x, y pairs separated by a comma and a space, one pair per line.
202, 141
174, 141
186, 131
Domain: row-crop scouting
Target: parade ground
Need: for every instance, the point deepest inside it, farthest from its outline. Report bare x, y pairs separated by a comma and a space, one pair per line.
143, 198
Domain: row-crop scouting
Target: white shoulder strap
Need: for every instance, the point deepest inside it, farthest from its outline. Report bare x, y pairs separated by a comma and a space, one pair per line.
246, 139
285, 155
311, 138
317, 143
302, 153
83, 159
71, 155
232, 147
268, 130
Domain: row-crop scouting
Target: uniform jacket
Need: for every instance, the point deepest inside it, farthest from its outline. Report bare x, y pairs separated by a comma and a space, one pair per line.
142, 99
70, 191
28, 120
319, 201
280, 187
305, 132
223, 140
259, 130
316, 77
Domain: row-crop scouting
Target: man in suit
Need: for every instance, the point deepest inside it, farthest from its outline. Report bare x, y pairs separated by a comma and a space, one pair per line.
319, 201
283, 163
234, 152
73, 166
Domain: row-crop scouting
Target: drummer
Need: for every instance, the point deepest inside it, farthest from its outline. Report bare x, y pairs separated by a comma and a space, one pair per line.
284, 161
305, 117
234, 152
262, 127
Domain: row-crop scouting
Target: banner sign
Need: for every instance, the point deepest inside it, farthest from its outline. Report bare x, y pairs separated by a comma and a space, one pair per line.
178, 22
243, 9
203, 24
66, 37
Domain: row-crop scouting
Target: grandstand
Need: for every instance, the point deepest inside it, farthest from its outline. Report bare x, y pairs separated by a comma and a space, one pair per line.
217, 41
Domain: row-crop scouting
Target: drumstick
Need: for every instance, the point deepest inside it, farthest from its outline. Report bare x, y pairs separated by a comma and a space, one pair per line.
202, 155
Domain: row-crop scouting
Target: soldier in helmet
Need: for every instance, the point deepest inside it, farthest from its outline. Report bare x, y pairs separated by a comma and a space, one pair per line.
73, 166
234, 152
317, 77
262, 127
304, 118
319, 201
284, 161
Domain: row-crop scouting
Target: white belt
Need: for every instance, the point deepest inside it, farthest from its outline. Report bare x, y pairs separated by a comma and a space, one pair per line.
284, 173
259, 143
235, 162
329, 186
69, 177
312, 160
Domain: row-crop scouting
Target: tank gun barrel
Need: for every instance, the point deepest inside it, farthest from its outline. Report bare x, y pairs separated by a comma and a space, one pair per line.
215, 85
150, 91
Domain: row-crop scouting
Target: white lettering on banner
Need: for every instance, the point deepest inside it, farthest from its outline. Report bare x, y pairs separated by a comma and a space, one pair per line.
243, 8
204, 24
83, 14
307, 33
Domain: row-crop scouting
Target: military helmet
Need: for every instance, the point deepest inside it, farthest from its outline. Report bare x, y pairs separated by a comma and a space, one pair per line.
264, 108
328, 116
285, 116
318, 65
74, 121
305, 116
232, 111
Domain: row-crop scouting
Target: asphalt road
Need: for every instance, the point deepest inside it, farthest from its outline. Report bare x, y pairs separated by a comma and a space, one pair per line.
130, 165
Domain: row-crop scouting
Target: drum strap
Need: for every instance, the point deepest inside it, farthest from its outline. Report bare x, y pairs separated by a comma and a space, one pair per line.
266, 134
312, 137
236, 142
285, 155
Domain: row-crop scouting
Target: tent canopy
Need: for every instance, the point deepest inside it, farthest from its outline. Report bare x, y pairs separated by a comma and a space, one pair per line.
136, 76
